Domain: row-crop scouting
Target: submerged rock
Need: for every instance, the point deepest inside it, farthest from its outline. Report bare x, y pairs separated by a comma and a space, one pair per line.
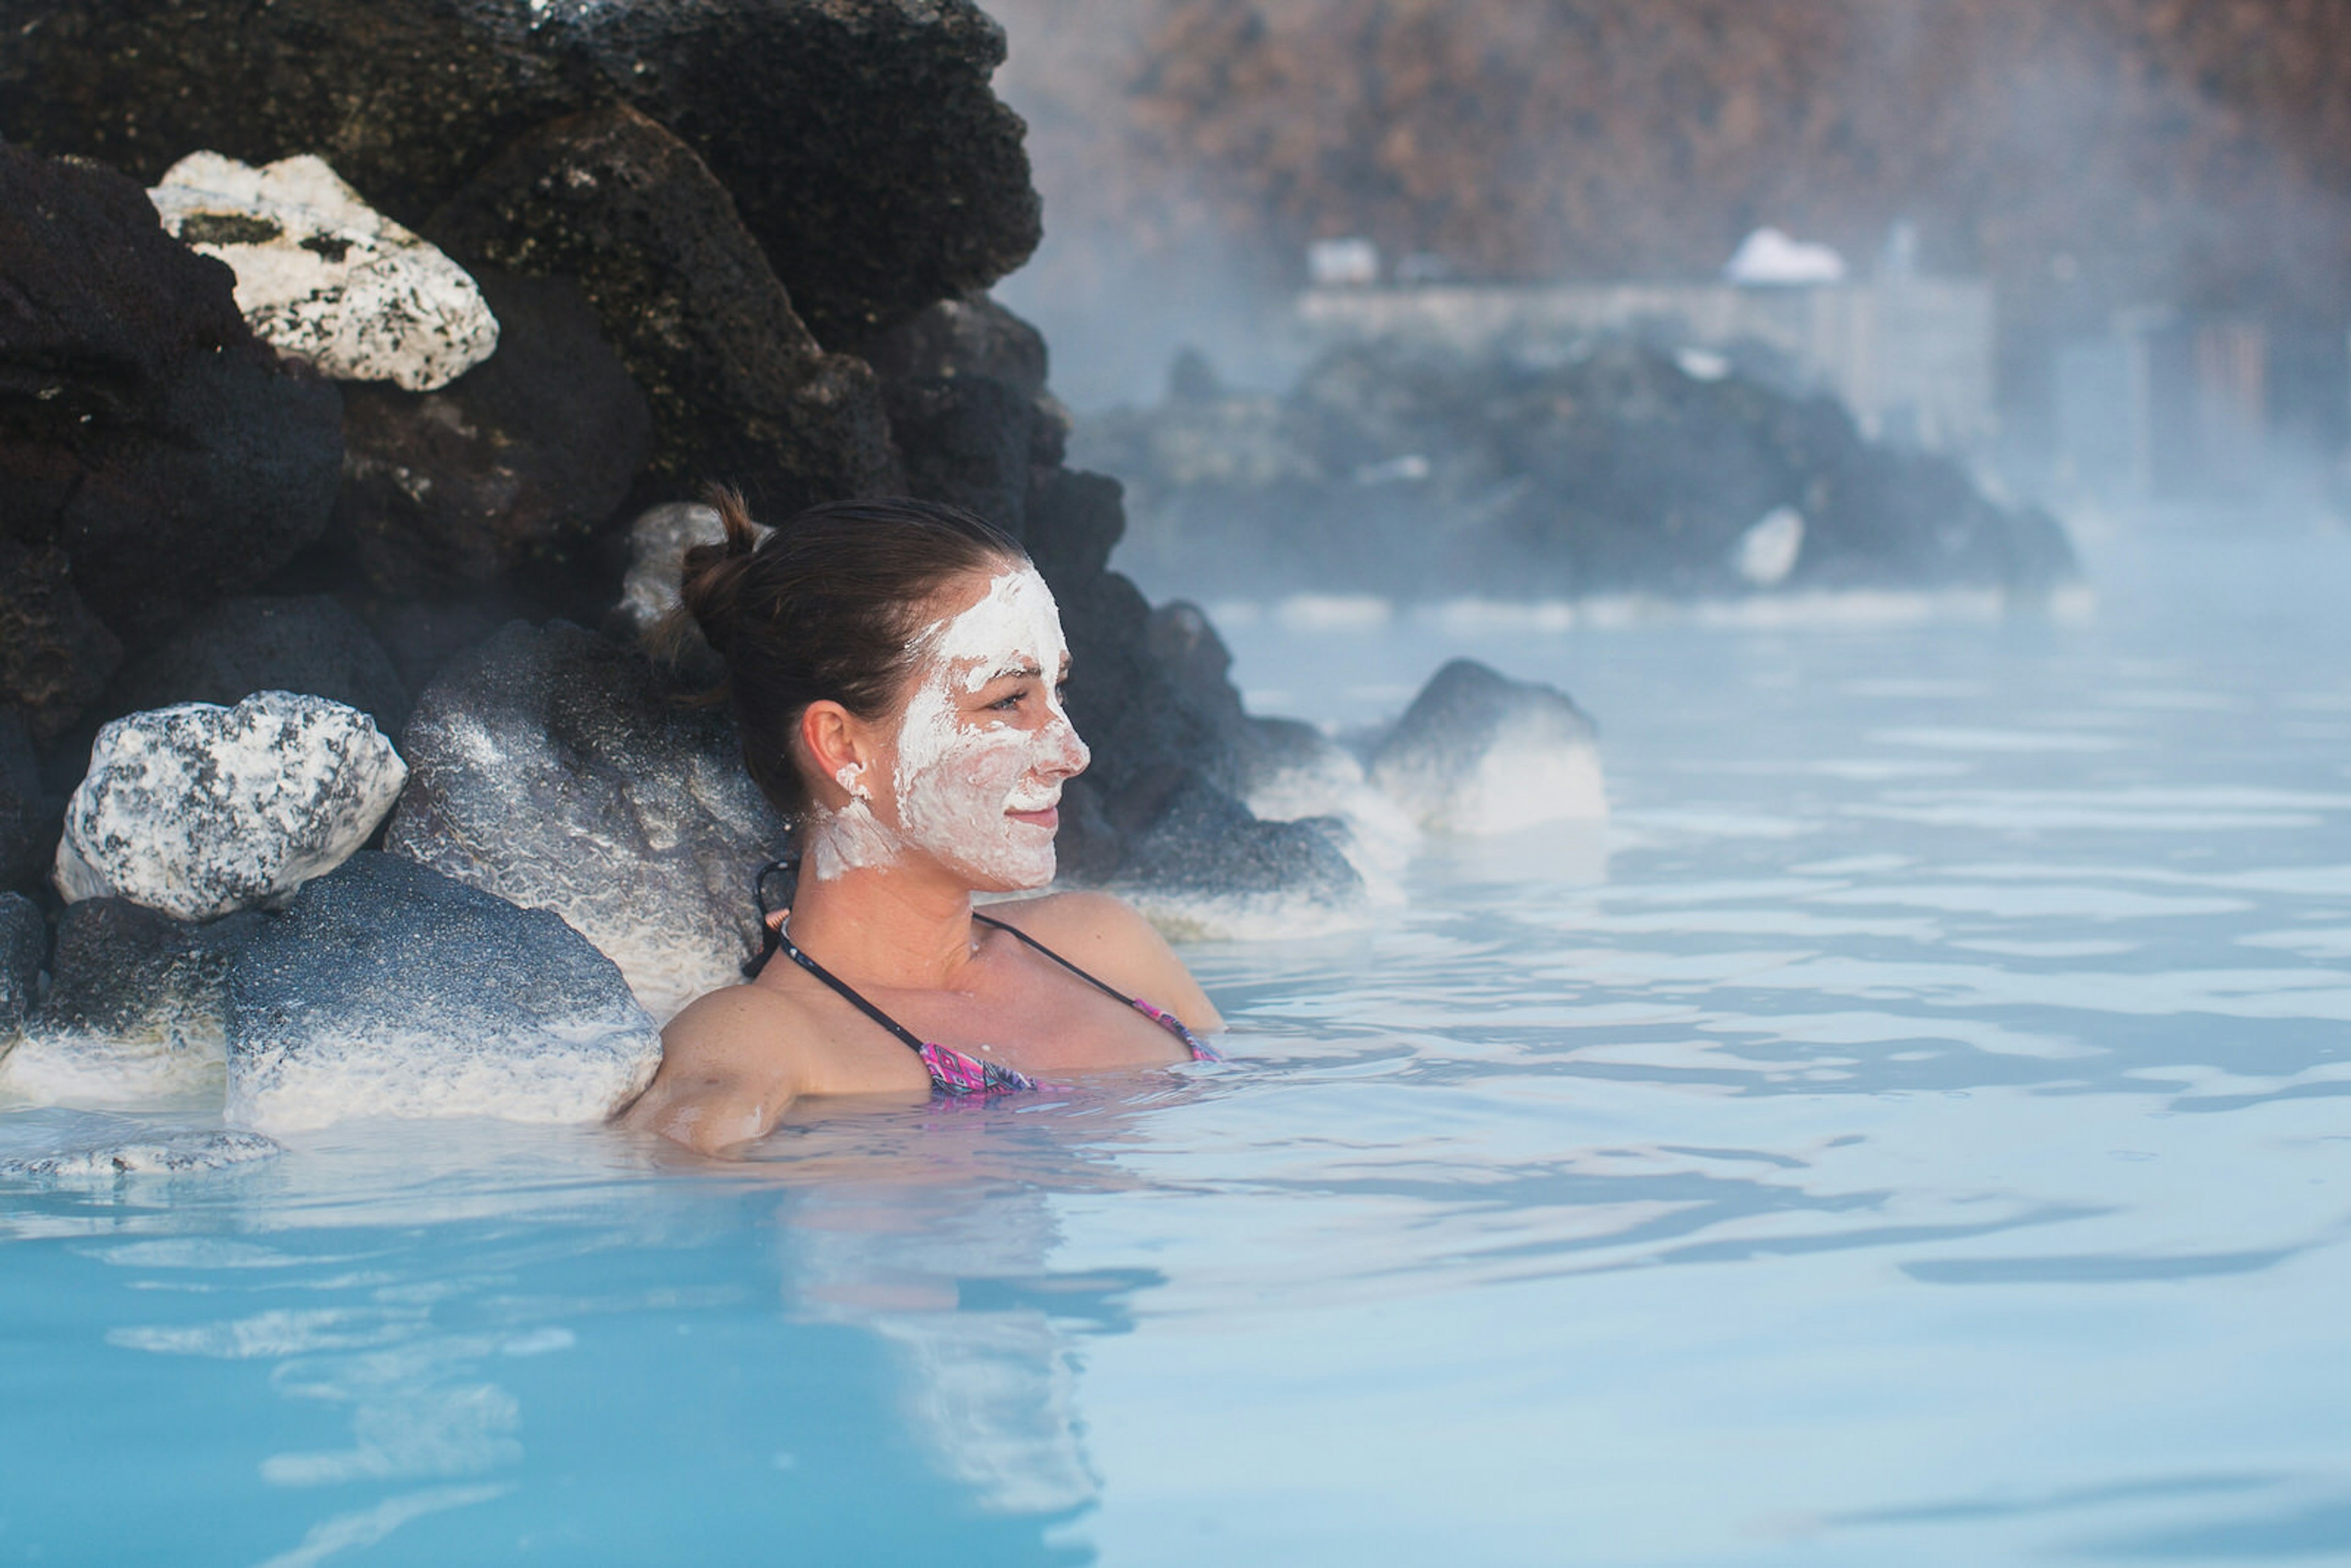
321, 273
553, 769
738, 386
136, 1008
259, 643
516, 467
152, 453
1478, 752
87, 1144
199, 810
388, 990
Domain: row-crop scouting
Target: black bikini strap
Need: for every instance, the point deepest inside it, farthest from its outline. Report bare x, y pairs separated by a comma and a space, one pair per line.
1099, 984
846, 992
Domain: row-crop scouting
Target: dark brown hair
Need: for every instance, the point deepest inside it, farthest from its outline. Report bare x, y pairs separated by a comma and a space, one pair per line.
824, 609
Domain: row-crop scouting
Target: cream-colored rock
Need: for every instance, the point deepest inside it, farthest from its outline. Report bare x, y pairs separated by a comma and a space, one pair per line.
321, 273
198, 811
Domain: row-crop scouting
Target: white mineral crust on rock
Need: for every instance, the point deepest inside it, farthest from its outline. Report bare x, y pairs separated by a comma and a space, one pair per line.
198, 811
321, 273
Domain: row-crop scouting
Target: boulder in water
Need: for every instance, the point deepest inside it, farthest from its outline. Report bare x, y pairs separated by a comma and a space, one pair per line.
552, 767
388, 990
321, 273
515, 468
135, 1009
1203, 843
1478, 752
738, 386
197, 810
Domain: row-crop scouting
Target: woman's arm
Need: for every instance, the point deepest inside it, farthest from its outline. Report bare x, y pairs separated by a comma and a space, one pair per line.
722, 1081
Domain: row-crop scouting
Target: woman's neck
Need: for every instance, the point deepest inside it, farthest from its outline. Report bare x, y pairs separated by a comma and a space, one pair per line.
887, 926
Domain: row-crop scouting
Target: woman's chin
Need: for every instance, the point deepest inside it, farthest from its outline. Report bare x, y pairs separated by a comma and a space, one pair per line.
1022, 871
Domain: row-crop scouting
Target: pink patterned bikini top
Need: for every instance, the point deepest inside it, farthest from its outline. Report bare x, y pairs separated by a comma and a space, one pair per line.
953, 1071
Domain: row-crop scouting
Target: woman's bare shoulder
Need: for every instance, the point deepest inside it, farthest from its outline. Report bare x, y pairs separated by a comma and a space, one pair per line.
728, 1069
1109, 937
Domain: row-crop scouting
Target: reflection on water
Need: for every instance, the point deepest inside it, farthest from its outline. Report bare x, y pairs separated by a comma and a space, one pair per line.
1912, 1130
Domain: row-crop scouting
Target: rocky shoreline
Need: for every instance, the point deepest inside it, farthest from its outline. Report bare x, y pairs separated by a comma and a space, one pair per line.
359, 359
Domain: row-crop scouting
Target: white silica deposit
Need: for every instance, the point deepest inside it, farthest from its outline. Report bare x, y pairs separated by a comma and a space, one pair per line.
199, 810
89, 1145
321, 273
388, 990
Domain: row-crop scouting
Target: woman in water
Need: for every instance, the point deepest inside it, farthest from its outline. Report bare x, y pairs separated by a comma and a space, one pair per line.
895, 672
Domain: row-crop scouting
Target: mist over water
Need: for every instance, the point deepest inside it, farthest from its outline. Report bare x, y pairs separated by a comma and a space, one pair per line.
1909, 1131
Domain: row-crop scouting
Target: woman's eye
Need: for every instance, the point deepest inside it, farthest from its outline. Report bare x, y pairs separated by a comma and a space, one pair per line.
1008, 704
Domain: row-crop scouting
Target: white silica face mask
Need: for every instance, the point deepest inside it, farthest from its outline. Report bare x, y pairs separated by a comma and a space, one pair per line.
852, 836
961, 774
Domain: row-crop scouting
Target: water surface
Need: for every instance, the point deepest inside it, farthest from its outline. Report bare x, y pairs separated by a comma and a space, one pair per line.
1914, 1131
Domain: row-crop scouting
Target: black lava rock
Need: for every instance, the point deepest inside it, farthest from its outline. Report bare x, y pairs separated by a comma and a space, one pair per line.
513, 468
23, 944
861, 138
28, 817
739, 390
143, 430
388, 990
1416, 471
967, 441
1479, 752
251, 643
1074, 520
1204, 842
55, 655
956, 338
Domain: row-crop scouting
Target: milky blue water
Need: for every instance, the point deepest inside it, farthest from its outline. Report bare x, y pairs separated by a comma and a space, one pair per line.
1918, 1130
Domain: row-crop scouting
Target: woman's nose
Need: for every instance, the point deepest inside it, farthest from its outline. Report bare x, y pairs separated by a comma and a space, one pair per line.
1067, 755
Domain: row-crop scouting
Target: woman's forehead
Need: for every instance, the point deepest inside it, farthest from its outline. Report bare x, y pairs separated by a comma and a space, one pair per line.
1000, 616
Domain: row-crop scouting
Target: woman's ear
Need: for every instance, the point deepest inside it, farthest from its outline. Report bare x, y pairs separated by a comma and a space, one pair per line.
836, 741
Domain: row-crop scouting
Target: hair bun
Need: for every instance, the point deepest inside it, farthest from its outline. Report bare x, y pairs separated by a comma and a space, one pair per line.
711, 582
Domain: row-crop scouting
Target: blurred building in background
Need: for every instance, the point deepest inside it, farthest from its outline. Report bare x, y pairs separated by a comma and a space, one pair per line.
1914, 357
